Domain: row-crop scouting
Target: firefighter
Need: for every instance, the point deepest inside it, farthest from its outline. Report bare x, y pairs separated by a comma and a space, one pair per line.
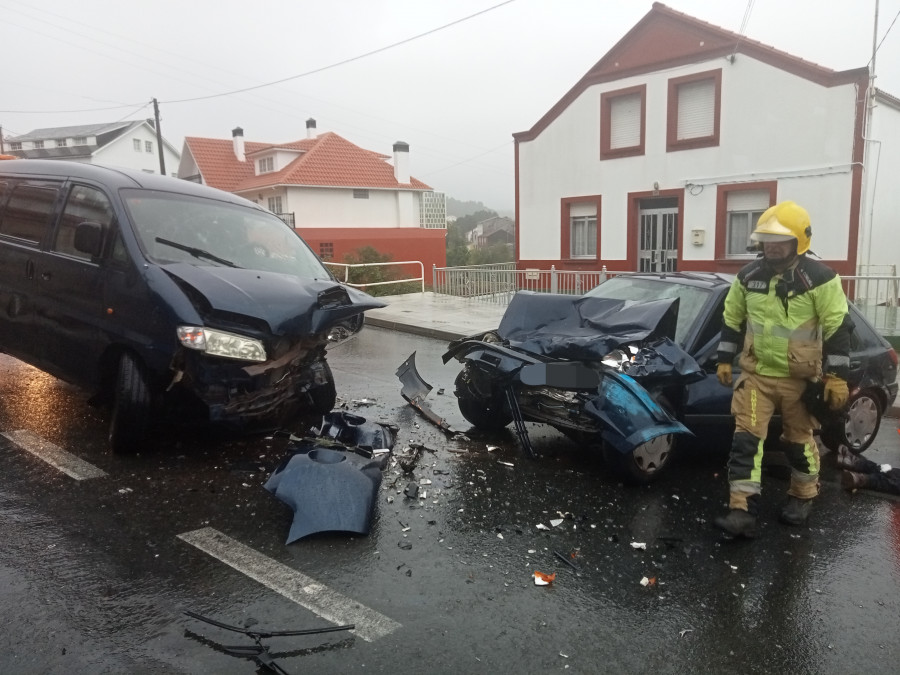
792, 313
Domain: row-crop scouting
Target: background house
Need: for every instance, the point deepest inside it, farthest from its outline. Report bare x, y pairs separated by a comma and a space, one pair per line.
130, 145
338, 196
665, 153
496, 230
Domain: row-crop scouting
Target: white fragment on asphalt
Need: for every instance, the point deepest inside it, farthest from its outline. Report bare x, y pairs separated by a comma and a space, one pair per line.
541, 526
686, 631
406, 529
506, 463
123, 491
424, 481
885, 468
639, 544
491, 448
565, 656
531, 550
645, 581
733, 567
499, 535
556, 522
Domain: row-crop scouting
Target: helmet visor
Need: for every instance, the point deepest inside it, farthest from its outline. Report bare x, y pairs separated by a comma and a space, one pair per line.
763, 237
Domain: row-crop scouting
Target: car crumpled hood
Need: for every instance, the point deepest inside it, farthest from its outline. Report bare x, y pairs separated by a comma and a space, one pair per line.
289, 304
583, 328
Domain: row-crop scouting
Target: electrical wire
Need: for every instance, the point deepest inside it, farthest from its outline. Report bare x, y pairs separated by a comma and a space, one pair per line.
881, 42
344, 62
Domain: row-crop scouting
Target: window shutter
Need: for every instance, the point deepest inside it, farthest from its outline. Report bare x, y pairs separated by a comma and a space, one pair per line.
696, 110
625, 121
748, 200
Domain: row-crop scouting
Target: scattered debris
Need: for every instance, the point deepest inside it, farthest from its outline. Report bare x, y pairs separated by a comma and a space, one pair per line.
556, 522
412, 490
639, 544
685, 631
651, 581
541, 526
543, 579
567, 561
509, 464
415, 390
363, 402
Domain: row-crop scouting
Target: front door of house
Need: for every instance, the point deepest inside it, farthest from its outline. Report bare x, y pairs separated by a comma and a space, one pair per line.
658, 236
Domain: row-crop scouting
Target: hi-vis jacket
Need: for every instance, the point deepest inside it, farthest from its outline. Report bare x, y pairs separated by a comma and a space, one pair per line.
790, 321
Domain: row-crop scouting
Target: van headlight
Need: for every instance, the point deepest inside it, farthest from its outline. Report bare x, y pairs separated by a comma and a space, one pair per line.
220, 343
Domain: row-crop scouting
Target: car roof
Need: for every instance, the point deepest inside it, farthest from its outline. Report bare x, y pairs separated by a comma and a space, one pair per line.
701, 279
116, 178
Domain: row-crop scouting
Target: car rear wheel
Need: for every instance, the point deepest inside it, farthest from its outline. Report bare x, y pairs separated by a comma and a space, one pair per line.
859, 425
131, 407
488, 414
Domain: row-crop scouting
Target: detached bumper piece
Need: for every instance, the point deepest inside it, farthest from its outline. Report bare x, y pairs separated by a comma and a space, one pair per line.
414, 391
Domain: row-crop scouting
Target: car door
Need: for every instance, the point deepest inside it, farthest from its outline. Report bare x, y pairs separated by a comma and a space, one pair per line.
28, 210
69, 308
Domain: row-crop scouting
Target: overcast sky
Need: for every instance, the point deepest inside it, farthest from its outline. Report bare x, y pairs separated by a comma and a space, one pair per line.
456, 94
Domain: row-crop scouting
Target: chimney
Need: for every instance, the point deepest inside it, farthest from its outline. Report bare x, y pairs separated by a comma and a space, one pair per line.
401, 162
310, 128
237, 135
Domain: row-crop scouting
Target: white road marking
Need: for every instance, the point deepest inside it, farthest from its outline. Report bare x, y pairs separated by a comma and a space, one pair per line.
66, 462
305, 591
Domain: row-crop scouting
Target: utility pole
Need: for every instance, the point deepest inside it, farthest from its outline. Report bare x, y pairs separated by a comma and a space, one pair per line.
159, 141
1, 141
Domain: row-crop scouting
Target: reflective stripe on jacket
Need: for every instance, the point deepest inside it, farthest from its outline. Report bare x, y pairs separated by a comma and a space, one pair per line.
789, 321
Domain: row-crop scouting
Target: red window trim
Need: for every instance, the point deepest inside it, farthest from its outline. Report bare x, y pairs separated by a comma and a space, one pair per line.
565, 251
672, 142
606, 99
722, 212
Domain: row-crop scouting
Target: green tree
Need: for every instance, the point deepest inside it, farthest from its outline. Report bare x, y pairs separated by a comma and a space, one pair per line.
495, 253
457, 252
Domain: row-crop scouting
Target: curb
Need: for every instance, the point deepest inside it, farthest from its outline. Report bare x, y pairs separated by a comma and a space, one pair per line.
423, 331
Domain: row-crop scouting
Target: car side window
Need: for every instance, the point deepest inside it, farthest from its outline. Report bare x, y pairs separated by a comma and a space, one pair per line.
29, 210
85, 204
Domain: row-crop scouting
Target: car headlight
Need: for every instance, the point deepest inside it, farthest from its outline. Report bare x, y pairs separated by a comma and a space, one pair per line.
220, 343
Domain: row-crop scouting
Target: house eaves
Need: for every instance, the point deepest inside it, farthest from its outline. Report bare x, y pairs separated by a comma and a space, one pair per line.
665, 38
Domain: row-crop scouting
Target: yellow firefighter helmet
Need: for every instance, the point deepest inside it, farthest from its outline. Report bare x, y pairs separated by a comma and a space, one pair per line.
785, 220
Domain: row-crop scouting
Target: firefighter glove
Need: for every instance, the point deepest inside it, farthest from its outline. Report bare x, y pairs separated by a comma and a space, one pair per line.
836, 392
723, 372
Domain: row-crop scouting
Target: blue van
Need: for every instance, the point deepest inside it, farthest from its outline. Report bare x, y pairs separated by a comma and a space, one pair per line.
160, 295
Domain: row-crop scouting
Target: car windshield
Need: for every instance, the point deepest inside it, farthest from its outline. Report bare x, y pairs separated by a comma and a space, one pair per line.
692, 298
182, 228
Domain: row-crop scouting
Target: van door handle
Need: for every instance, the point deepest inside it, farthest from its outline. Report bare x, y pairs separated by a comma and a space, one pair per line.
46, 276
29, 269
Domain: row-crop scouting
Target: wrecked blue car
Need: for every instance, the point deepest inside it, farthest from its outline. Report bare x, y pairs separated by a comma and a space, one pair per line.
593, 368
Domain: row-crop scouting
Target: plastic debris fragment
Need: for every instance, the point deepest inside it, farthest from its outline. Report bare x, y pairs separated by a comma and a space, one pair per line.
639, 544
556, 522
543, 579
541, 526
648, 581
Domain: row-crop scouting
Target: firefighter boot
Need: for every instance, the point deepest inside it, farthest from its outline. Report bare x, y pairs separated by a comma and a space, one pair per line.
740, 522
796, 511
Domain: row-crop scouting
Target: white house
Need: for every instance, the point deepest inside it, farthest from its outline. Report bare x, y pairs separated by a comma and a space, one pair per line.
340, 197
665, 153
130, 145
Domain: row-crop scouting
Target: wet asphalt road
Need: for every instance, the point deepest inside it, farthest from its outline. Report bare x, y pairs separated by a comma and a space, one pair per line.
94, 577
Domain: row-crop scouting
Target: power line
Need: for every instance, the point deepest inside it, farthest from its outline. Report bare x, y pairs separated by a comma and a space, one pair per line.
884, 36
344, 62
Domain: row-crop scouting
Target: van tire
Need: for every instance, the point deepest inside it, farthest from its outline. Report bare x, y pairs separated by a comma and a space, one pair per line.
131, 407
323, 396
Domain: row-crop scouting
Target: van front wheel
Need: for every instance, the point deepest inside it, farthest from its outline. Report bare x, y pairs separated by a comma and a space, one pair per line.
131, 407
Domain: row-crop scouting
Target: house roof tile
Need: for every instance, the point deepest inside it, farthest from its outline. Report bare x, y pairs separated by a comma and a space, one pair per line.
327, 161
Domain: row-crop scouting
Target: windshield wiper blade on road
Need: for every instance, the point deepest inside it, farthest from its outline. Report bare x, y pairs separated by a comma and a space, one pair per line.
196, 252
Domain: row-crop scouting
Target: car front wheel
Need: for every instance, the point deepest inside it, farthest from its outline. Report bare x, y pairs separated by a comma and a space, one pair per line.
131, 408
489, 414
859, 425
643, 464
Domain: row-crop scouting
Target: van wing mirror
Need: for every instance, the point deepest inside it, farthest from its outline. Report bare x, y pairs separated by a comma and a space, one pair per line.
89, 238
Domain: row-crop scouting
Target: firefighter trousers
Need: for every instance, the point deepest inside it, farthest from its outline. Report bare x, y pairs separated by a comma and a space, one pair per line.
756, 398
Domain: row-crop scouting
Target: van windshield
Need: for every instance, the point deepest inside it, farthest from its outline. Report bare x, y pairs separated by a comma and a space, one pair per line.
173, 227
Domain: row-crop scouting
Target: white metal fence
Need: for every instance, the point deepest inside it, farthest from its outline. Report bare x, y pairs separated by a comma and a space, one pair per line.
878, 297
347, 267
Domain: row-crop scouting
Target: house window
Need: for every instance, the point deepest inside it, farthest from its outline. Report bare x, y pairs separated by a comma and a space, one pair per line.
60, 142
80, 140
326, 250
38, 145
622, 117
360, 194
583, 237
137, 144
266, 164
694, 110
15, 146
275, 204
148, 146
738, 208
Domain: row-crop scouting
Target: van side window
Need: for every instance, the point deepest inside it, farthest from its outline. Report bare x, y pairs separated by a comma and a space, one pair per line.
29, 210
3, 188
85, 204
